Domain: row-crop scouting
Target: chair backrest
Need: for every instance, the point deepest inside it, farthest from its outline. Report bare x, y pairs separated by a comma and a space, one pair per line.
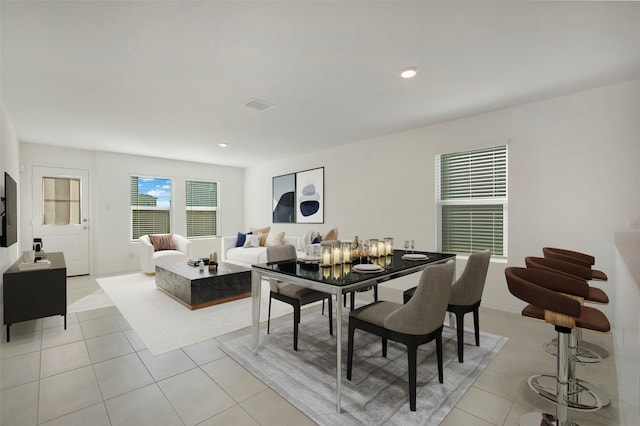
332, 243
282, 252
569, 256
467, 290
277, 254
425, 311
560, 266
544, 289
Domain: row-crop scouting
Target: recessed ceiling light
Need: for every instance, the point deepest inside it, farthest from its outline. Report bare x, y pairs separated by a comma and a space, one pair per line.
222, 145
409, 72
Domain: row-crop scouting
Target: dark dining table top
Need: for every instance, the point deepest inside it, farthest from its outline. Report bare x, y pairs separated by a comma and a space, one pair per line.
345, 275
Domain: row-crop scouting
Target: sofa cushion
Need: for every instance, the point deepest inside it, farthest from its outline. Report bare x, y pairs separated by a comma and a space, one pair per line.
264, 230
252, 240
241, 238
274, 239
248, 256
162, 242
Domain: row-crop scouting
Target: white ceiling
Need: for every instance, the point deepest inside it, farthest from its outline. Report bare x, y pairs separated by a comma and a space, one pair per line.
169, 79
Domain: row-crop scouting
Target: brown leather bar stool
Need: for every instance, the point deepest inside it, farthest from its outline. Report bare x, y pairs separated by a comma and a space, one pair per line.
556, 299
582, 353
586, 261
577, 258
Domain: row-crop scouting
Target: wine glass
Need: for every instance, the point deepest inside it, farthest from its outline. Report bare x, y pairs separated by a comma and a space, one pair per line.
406, 246
413, 244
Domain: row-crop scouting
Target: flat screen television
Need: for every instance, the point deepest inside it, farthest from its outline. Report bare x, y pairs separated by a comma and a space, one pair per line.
10, 213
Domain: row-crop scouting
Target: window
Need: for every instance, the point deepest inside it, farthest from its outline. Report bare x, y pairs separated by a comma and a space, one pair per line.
61, 201
472, 201
202, 208
150, 206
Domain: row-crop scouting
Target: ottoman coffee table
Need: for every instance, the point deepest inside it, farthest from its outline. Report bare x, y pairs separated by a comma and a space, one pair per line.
196, 289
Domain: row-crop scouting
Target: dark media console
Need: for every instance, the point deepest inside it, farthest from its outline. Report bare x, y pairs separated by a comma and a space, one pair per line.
33, 294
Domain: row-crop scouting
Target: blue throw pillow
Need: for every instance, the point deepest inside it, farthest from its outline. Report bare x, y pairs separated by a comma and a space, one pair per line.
241, 238
317, 240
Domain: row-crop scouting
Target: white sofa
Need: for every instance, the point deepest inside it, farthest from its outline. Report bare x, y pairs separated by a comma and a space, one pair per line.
149, 258
247, 256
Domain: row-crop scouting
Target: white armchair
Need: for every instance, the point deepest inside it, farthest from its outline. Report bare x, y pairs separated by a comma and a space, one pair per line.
149, 257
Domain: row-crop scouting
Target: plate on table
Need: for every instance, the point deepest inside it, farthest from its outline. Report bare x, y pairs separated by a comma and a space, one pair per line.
415, 256
309, 259
367, 268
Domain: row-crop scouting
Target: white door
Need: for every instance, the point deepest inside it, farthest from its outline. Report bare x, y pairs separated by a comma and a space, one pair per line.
61, 214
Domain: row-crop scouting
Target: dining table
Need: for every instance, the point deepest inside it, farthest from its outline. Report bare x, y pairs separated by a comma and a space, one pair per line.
338, 280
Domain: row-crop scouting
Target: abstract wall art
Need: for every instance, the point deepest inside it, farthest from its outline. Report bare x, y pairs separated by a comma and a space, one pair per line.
284, 205
309, 196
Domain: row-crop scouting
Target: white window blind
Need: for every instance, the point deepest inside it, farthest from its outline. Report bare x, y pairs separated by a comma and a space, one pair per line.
150, 206
472, 200
202, 208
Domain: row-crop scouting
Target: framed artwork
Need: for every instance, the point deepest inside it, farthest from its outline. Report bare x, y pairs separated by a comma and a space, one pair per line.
309, 196
284, 205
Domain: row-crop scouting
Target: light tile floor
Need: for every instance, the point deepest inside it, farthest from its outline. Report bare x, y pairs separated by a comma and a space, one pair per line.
98, 372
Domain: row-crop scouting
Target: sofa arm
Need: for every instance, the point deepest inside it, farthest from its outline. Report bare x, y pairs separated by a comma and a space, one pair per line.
182, 244
226, 244
146, 254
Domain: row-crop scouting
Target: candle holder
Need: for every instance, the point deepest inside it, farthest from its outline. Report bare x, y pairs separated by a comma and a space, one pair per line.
327, 257
388, 244
373, 248
346, 253
337, 255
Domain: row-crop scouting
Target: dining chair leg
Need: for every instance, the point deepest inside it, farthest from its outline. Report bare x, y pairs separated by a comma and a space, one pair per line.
296, 321
476, 325
439, 357
352, 330
353, 300
412, 359
330, 304
384, 347
460, 332
269, 315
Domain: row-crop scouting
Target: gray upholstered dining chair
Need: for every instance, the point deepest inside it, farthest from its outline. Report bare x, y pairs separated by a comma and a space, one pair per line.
417, 322
466, 294
294, 295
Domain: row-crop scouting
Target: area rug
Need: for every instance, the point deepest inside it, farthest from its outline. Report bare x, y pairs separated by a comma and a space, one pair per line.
378, 393
163, 324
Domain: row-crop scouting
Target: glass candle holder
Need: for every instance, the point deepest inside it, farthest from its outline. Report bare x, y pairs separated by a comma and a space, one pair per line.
346, 252
327, 258
388, 244
373, 247
337, 255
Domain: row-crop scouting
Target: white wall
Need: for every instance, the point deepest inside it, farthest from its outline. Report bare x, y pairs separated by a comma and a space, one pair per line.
9, 155
627, 325
112, 250
573, 179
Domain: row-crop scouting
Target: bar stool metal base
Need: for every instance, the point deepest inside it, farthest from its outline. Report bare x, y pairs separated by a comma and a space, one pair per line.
542, 419
580, 398
583, 355
587, 346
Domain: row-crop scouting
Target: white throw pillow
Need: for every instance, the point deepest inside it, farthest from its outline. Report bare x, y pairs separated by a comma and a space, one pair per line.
253, 240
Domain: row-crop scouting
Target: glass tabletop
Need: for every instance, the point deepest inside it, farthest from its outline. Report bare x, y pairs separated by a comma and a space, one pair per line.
347, 274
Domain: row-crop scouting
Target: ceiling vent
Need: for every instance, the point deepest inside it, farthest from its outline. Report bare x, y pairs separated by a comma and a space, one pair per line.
257, 104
